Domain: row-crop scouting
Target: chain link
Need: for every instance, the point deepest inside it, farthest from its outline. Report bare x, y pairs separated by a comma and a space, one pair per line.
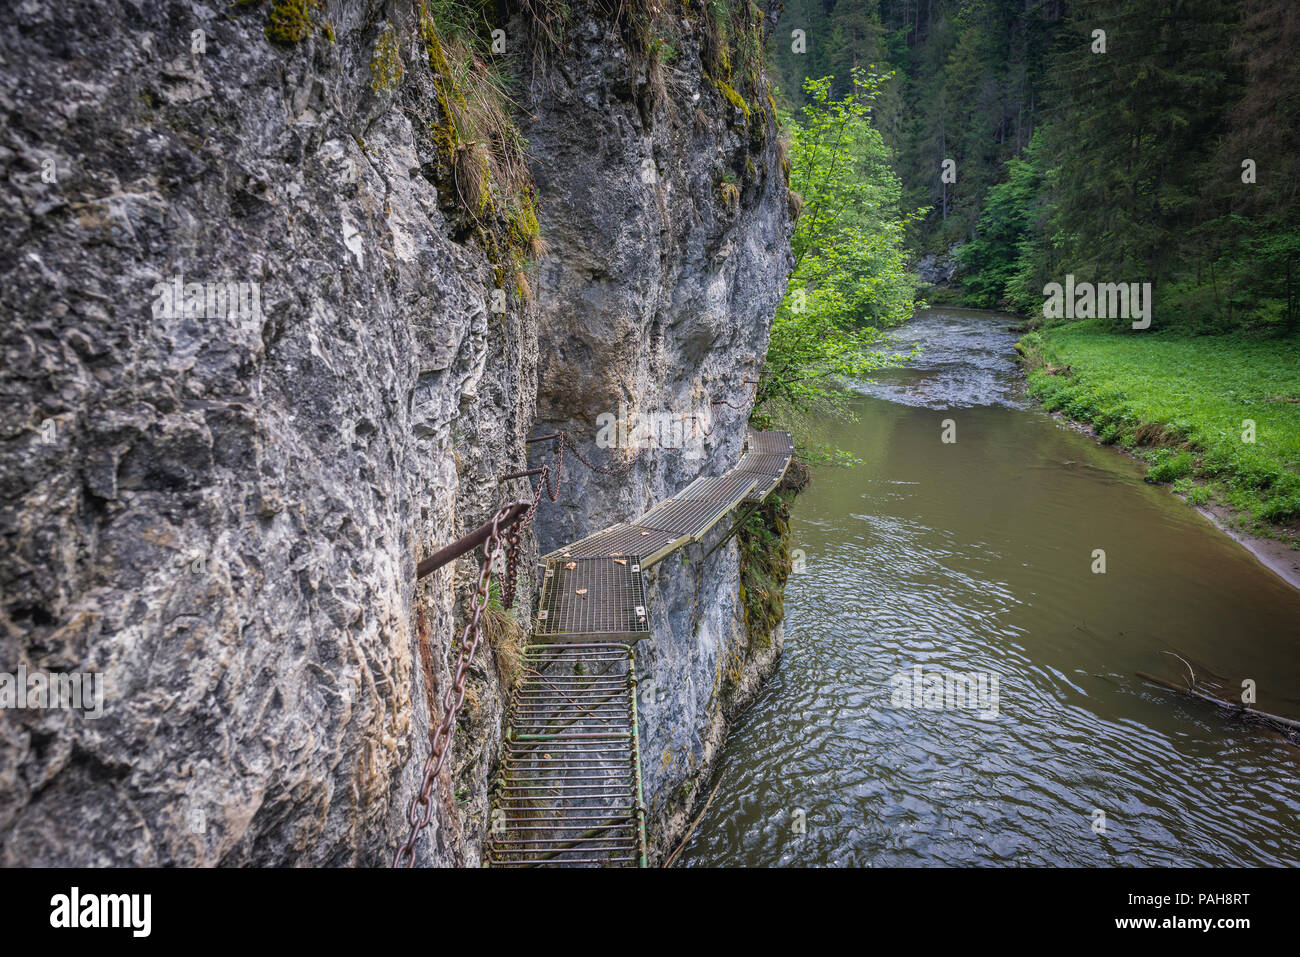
552, 491
566, 439
421, 808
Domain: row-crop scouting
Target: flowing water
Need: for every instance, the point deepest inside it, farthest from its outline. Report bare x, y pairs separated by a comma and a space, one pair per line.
976, 557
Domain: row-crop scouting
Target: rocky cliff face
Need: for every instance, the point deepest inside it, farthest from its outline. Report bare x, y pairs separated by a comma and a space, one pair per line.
666, 220
938, 269
222, 512
220, 509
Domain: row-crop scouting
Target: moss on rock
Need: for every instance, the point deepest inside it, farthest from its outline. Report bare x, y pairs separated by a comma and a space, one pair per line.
289, 21
764, 542
729, 93
386, 69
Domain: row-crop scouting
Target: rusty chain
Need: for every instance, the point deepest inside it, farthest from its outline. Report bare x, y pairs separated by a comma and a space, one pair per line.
452, 701
567, 439
512, 551
420, 811
552, 492
738, 408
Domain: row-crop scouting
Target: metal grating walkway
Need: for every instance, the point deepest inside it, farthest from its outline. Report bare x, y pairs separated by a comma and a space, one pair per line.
648, 544
770, 442
687, 517
569, 789
569, 792
767, 468
593, 597
732, 487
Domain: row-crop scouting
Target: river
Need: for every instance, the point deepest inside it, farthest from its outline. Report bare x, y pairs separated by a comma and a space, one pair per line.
977, 557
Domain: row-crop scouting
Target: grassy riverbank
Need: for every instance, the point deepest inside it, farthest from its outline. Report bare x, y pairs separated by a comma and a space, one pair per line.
1182, 404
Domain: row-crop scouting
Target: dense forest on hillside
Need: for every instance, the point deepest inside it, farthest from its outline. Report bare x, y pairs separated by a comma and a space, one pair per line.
1112, 140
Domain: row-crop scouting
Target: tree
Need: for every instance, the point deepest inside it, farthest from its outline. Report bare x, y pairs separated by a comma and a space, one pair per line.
998, 263
850, 279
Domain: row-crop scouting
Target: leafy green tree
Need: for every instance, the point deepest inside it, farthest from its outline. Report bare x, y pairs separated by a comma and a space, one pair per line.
850, 278
1000, 257
1135, 172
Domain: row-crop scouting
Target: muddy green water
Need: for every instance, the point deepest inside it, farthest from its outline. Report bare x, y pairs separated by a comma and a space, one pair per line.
976, 557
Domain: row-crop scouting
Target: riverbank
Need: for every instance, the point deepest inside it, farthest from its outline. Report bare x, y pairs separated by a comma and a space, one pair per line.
1216, 418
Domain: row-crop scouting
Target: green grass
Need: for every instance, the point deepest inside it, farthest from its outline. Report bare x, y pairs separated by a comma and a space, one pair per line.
1180, 403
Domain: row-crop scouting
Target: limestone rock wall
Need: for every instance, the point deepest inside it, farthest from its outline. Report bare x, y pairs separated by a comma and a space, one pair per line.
222, 514
221, 511
667, 225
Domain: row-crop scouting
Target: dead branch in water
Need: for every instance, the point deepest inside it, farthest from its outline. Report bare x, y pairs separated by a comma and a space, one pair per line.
1277, 722
699, 817
1199, 665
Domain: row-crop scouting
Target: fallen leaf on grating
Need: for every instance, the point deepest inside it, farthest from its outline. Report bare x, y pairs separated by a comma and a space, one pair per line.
620, 561
570, 565
581, 591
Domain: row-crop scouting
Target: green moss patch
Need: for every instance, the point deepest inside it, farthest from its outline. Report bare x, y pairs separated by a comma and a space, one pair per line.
290, 21
764, 542
386, 69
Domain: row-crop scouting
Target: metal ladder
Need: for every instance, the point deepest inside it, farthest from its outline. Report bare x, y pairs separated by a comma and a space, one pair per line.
569, 792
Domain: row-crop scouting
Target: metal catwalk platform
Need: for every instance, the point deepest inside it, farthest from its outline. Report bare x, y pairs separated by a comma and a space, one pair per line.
569, 790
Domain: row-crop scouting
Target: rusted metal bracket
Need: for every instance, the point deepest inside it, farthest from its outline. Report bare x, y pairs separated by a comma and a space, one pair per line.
475, 538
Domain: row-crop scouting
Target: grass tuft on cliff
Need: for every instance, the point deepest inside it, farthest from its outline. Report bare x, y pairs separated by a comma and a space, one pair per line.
1186, 406
289, 21
733, 42
478, 139
506, 636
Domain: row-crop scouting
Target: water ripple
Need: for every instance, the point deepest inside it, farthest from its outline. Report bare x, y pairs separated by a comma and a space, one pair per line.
976, 558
